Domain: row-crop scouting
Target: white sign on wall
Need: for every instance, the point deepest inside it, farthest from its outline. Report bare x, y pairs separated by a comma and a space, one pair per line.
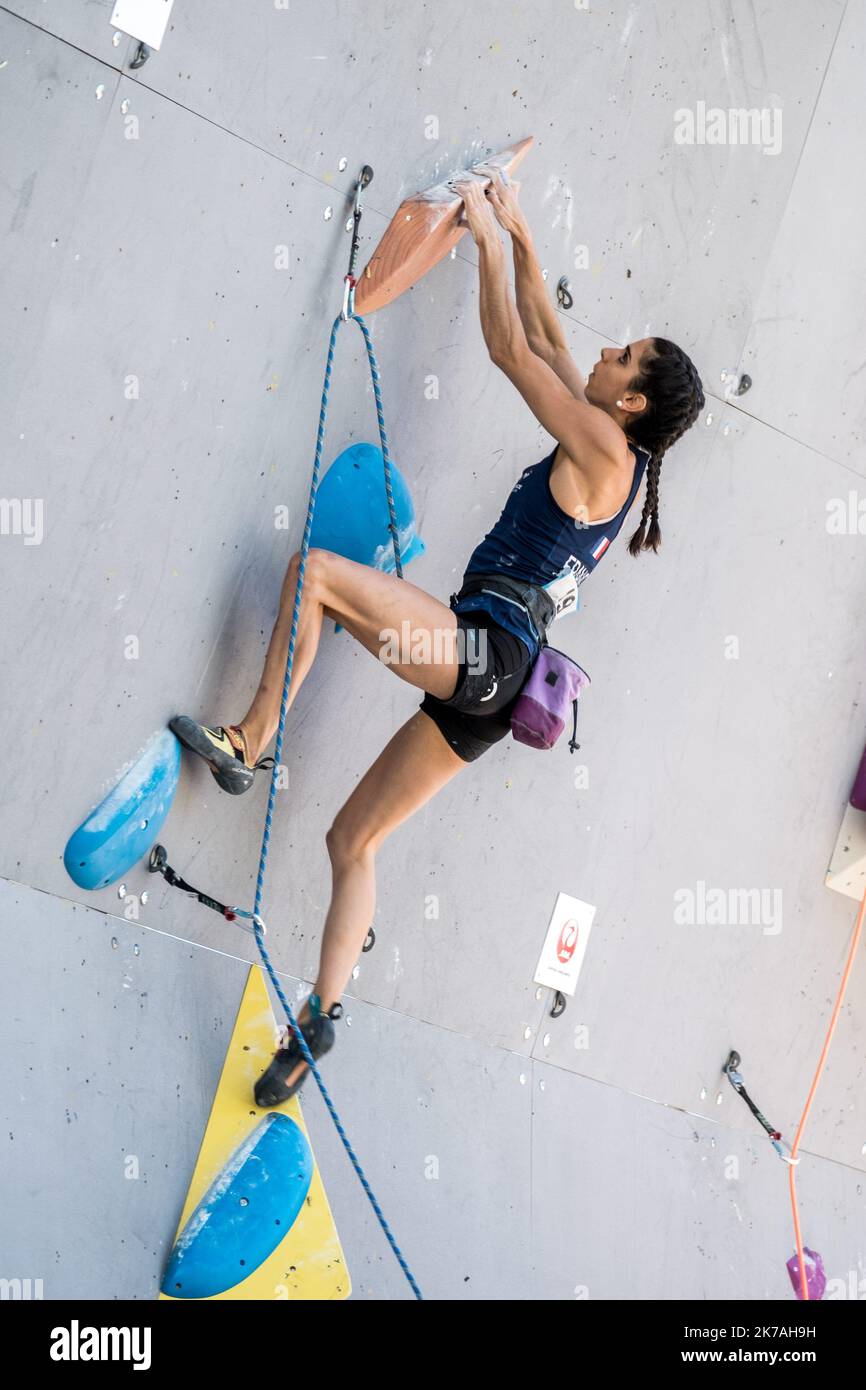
145, 20
565, 944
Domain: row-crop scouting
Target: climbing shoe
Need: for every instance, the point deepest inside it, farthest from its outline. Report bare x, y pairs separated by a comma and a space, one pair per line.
271, 1087
224, 750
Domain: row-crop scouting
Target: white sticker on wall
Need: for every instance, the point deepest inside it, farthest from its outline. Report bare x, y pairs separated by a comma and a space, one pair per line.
565, 944
145, 20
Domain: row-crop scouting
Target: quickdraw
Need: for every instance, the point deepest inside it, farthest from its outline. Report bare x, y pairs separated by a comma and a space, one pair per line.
349, 279
731, 1070
158, 864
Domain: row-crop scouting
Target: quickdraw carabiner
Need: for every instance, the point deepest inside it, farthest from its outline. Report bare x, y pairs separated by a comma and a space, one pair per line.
349, 280
158, 864
732, 1072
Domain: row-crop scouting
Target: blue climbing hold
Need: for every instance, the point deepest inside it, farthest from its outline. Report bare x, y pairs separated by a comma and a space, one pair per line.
124, 826
249, 1208
351, 516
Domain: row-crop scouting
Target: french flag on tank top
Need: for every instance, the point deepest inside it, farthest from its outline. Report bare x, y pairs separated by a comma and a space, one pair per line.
600, 548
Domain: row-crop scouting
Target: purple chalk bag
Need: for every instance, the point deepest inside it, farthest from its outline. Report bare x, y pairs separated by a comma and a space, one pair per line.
540, 711
858, 791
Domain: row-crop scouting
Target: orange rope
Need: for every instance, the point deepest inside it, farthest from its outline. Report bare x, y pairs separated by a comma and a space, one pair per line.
792, 1183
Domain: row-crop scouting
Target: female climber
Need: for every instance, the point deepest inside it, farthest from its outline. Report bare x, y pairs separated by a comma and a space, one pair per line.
561, 516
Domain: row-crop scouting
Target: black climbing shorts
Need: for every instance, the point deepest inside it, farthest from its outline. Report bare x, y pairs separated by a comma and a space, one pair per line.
478, 714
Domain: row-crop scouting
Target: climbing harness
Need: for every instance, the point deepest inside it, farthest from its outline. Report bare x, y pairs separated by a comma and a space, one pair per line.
255, 916
732, 1072
537, 604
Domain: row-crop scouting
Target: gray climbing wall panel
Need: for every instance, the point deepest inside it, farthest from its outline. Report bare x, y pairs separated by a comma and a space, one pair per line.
160, 395
491, 1166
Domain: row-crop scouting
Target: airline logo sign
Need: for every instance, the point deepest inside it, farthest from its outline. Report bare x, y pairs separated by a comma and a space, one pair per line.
568, 937
565, 944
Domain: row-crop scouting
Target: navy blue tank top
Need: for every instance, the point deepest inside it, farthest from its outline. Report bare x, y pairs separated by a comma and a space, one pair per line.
534, 540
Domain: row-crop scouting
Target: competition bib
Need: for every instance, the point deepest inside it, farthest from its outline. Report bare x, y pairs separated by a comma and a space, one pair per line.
563, 591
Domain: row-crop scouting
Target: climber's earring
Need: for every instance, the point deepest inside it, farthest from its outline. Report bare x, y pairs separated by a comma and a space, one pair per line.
619, 404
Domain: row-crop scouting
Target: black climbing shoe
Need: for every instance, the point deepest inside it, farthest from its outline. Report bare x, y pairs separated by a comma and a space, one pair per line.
271, 1088
225, 759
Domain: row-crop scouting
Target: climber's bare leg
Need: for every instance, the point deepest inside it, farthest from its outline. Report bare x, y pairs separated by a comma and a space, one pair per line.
407, 773
369, 604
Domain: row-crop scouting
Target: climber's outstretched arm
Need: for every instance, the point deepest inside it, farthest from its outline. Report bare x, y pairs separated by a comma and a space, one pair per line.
589, 436
538, 316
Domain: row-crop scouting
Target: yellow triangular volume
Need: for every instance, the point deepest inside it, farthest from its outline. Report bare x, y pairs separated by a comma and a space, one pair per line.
309, 1261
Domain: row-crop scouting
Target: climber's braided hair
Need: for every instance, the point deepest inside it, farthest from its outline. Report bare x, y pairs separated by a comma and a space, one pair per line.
675, 399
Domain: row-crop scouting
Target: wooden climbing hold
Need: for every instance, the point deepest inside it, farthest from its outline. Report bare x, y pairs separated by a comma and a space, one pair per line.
423, 231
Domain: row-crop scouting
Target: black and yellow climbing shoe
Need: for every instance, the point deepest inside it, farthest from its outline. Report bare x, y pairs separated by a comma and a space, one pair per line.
273, 1087
224, 750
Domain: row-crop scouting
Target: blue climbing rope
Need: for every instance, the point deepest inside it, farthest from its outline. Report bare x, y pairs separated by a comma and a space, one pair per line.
258, 923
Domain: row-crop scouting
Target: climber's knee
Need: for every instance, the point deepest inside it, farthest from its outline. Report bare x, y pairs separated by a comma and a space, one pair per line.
348, 844
317, 569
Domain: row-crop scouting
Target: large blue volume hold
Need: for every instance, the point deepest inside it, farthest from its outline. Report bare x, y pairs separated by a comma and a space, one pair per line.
351, 516
124, 826
245, 1213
